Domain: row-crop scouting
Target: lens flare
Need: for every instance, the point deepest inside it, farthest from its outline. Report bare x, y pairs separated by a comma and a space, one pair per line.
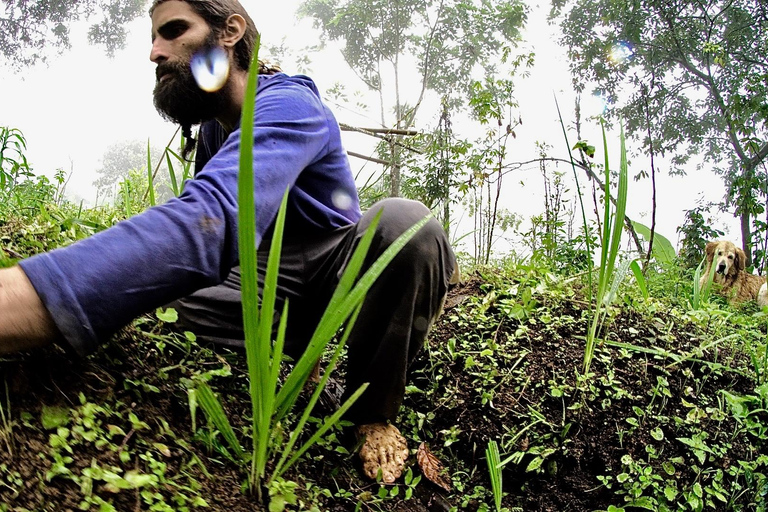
595, 105
620, 53
210, 67
341, 199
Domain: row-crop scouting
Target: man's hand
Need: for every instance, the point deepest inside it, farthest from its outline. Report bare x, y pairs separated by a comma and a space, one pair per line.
24, 321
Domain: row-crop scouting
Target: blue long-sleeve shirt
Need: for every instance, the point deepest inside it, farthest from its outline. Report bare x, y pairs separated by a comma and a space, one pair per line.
93, 287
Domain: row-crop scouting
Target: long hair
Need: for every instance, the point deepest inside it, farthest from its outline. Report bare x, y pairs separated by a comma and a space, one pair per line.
215, 13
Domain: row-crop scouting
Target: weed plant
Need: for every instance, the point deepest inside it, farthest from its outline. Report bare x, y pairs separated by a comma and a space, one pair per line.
270, 402
613, 223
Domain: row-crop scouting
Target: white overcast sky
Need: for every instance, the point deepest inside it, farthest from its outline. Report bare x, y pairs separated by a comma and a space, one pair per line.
82, 102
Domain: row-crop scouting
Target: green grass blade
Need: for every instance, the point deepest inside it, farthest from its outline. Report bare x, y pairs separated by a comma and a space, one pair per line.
639, 278
696, 299
621, 201
353, 267
172, 173
327, 327
494, 470
246, 218
701, 293
336, 314
215, 412
602, 280
186, 165
279, 467
187, 175
330, 422
175, 154
277, 350
613, 226
150, 178
619, 274
265, 370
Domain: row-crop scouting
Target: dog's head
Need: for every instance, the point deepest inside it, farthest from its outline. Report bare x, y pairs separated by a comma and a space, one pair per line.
726, 257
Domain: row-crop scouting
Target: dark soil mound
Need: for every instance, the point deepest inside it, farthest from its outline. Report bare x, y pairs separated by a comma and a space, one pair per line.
115, 431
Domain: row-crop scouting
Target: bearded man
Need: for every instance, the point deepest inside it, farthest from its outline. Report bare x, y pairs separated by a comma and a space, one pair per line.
185, 251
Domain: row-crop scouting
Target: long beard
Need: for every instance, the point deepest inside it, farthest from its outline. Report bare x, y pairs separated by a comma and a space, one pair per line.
178, 98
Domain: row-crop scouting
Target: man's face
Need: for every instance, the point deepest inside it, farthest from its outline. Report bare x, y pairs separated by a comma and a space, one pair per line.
177, 33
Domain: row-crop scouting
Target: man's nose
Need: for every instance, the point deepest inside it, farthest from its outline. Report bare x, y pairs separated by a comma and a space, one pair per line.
159, 52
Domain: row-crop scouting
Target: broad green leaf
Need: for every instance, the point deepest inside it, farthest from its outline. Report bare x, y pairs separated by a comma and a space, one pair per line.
662, 250
169, 315
53, 416
534, 464
645, 502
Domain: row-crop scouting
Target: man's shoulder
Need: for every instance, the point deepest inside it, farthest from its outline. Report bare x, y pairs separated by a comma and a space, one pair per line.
283, 81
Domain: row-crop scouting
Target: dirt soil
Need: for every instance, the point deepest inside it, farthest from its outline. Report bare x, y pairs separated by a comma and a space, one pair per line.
504, 378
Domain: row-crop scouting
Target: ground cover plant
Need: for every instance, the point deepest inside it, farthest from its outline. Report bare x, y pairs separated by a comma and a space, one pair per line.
672, 418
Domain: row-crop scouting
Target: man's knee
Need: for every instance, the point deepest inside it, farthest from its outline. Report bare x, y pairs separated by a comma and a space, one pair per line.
397, 216
428, 245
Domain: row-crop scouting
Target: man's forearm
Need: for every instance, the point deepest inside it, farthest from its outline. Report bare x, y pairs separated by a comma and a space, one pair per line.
24, 321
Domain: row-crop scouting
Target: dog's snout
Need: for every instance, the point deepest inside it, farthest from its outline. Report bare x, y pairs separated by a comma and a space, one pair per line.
721, 268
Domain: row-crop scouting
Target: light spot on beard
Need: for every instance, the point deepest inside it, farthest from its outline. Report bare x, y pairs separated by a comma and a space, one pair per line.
210, 67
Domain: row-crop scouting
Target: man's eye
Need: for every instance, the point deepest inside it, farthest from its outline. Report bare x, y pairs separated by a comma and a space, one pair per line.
173, 30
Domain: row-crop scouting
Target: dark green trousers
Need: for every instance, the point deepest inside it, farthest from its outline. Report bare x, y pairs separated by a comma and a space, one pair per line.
393, 322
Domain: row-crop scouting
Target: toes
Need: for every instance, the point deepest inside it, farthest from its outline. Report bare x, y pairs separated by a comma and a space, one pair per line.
384, 451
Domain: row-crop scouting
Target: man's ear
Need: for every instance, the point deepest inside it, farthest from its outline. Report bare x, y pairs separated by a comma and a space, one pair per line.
233, 31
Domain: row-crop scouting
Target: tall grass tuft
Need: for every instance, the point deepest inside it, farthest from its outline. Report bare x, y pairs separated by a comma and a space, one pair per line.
177, 185
613, 222
493, 459
270, 402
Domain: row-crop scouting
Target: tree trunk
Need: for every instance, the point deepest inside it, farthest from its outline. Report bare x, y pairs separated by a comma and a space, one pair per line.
746, 238
394, 172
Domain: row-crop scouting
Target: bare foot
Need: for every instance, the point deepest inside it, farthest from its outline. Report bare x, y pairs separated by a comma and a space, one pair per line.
384, 449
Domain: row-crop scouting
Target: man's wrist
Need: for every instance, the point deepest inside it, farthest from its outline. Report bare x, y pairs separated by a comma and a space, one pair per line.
24, 321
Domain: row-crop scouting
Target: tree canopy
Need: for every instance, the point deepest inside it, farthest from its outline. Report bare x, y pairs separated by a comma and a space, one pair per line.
687, 77
29, 30
437, 45
447, 38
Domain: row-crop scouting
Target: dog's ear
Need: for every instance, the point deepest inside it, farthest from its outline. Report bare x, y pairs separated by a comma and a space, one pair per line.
741, 259
709, 250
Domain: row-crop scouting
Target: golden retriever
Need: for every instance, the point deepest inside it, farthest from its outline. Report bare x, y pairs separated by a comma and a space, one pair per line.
733, 282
